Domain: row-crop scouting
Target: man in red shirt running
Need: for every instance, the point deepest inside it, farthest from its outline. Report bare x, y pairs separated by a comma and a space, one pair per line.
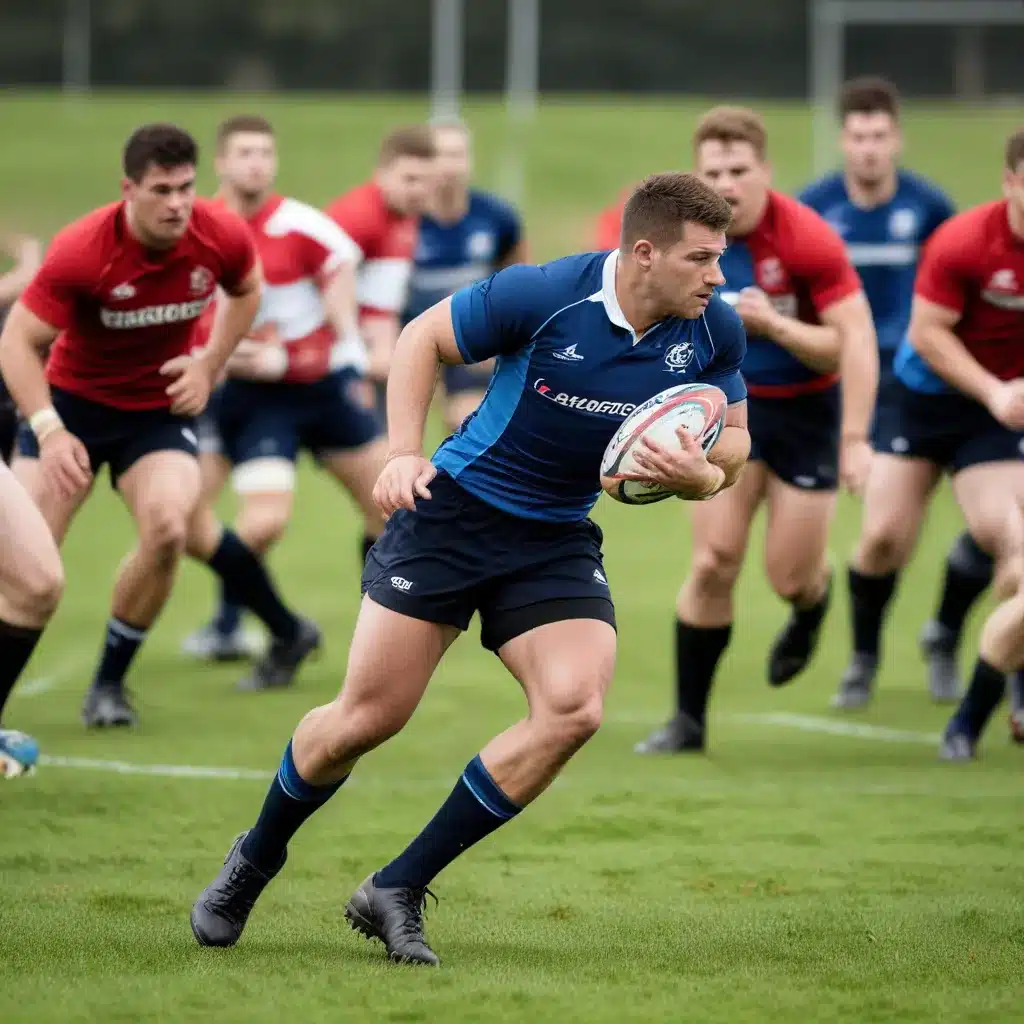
118, 296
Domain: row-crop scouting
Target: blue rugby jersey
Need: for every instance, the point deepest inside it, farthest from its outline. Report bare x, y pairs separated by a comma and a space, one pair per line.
569, 370
451, 256
884, 242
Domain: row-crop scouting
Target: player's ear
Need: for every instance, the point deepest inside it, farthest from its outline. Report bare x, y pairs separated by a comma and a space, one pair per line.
643, 253
127, 187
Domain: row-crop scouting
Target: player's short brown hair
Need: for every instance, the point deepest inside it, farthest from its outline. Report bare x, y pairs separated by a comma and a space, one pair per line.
165, 145
661, 205
415, 140
242, 123
1015, 150
869, 94
732, 124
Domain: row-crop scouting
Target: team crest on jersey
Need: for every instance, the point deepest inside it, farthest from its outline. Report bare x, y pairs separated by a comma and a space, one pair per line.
770, 273
123, 292
480, 245
200, 280
903, 224
1003, 289
678, 357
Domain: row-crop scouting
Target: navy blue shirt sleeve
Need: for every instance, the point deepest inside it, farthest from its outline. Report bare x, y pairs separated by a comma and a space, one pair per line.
499, 315
729, 342
942, 209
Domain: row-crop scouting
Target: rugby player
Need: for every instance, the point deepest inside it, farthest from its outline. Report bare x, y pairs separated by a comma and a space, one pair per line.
950, 412
381, 216
962, 409
464, 235
118, 296
809, 327
497, 523
300, 387
886, 214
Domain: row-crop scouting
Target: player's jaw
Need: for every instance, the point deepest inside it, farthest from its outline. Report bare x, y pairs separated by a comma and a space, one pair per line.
871, 145
406, 184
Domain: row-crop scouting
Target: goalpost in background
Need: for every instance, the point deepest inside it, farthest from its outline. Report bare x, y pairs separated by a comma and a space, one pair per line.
829, 20
522, 66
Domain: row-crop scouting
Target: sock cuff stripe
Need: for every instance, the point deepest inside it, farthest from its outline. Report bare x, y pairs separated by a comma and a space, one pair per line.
297, 787
478, 781
121, 628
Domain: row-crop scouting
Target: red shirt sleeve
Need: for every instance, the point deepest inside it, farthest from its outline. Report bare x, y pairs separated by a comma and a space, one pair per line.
237, 249
942, 277
357, 218
609, 228
52, 293
820, 261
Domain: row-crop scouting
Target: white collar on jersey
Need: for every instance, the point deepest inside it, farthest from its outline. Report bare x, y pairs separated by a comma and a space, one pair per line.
607, 297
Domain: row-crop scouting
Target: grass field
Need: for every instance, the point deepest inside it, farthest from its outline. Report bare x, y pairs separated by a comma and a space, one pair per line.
794, 873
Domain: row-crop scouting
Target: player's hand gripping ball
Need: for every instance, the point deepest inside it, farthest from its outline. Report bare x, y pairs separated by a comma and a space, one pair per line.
670, 434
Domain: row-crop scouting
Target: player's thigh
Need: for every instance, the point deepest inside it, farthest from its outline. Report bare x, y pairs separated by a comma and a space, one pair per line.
31, 573
565, 667
987, 496
391, 659
214, 470
162, 490
357, 471
796, 534
58, 511
896, 496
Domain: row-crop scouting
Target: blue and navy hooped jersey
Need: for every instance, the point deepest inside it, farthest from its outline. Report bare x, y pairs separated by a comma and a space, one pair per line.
451, 256
569, 370
884, 242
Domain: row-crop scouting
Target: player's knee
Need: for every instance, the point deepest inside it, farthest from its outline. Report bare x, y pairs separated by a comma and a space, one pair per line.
163, 531
716, 569
883, 547
358, 729
40, 589
573, 717
262, 532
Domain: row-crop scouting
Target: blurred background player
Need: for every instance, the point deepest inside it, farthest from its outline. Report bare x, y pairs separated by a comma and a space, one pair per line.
808, 327
949, 412
962, 409
25, 254
885, 214
300, 386
465, 235
382, 217
609, 224
129, 281
498, 524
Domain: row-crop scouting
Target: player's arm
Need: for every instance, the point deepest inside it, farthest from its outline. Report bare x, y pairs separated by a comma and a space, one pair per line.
732, 449
932, 332
23, 344
26, 253
236, 309
858, 363
815, 345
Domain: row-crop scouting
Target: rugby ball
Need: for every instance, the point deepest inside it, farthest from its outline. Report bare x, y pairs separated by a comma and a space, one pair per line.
699, 408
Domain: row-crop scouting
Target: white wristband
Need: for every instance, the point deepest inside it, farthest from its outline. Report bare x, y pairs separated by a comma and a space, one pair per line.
45, 422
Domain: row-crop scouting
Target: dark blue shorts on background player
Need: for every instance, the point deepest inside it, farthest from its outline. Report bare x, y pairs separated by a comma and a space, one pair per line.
117, 438
798, 438
506, 532
259, 420
947, 429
